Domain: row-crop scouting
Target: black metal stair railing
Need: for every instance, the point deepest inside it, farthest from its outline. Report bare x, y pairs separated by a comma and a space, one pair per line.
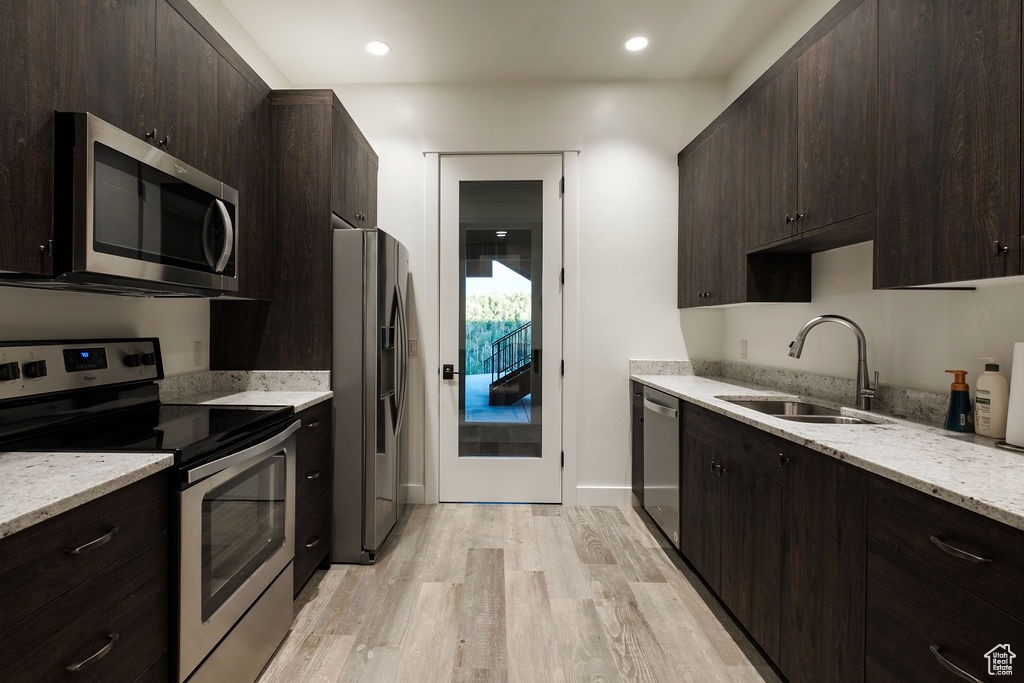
511, 353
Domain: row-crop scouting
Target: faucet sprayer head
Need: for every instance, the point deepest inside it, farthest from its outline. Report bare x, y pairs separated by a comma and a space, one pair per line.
796, 347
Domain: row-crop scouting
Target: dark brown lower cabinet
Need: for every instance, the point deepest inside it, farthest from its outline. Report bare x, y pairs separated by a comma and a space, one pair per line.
105, 608
823, 570
921, 627
636, 433
314, 472
732, 518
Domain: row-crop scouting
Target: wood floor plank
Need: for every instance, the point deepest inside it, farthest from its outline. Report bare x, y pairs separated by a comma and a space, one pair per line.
480, 646
428, 651
308, 657
586, 538
638, 654
562, 569
532, 635
521, 550
624, 542
586, 654
546, 510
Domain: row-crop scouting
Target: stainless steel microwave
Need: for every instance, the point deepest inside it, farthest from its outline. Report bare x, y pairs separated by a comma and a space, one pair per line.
131, 218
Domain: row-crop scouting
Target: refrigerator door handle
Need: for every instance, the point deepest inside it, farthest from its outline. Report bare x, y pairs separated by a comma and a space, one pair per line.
403, 357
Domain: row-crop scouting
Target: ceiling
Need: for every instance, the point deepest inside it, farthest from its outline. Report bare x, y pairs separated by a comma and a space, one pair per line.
322, 42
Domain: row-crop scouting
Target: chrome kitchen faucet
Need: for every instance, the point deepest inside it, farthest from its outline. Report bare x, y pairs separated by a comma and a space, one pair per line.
865, 391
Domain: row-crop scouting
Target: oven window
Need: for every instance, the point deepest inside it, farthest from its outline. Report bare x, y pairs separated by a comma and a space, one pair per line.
144, 214
243, 525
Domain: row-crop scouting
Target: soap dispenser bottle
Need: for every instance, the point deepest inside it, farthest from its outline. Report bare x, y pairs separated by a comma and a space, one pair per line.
992, 397
960, 417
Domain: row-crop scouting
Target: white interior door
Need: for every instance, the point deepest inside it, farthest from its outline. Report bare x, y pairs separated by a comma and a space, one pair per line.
500, 328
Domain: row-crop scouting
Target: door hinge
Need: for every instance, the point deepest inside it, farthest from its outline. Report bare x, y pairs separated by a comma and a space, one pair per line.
561, 185
562, 369
563, 460
561, 277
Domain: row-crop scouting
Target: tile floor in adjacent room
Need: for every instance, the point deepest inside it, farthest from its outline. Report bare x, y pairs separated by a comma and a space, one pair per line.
514, 593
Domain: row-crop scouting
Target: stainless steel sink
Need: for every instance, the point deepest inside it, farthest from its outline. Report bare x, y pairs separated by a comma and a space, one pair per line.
786, 407
826, 419
796, 410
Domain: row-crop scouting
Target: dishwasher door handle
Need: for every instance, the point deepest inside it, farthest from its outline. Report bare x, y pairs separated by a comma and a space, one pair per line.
660, 409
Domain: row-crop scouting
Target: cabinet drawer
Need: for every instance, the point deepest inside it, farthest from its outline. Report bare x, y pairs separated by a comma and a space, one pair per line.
759, 451
915, 617
931, 531
312, 537
37, 564
313, 466
129, 598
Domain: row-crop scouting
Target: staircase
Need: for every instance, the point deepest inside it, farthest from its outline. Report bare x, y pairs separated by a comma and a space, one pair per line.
511, 367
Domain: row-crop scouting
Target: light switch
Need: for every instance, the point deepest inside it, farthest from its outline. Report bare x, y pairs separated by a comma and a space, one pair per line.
414, 347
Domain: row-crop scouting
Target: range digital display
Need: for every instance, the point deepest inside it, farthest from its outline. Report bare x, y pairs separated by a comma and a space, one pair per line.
81, 360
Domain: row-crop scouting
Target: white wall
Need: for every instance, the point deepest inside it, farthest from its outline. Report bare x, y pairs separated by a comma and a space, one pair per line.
32, 314
628, 135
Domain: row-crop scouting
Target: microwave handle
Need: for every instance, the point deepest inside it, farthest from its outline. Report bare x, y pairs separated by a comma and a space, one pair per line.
229, 237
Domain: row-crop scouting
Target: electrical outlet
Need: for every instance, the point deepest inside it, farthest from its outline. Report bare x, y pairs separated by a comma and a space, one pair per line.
197, 354
414, 346
743, 349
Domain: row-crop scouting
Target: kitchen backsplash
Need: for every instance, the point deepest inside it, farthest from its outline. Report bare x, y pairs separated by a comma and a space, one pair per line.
178, 386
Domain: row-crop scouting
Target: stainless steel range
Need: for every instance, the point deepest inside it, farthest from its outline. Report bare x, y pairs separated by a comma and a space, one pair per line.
234, 485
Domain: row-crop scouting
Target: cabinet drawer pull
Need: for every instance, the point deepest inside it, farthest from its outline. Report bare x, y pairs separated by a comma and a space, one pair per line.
313, 543
313, 475
312, 424
105, 538
956, 552
99, 654
937, 651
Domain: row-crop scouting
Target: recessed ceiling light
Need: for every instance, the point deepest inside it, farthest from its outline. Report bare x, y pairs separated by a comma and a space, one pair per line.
636, 43
377, 47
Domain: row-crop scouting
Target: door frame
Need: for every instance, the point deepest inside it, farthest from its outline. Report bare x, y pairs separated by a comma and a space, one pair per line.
430, 344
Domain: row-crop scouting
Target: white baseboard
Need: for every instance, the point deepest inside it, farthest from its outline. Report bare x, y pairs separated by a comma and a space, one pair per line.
604, 495
414, 493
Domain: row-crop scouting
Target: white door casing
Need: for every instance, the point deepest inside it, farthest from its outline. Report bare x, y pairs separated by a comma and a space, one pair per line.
500, 478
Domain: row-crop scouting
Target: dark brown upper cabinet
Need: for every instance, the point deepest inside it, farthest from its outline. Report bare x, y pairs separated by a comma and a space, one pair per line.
950, 148
293, 330
354, 172
838, 122
26, 135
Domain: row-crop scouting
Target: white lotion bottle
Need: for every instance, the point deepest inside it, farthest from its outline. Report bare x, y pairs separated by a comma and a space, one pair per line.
992, 396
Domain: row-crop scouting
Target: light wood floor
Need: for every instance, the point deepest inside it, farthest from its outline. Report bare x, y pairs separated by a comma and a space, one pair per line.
514, 593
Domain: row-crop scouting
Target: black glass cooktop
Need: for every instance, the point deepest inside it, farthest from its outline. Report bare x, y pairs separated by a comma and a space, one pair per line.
194, 433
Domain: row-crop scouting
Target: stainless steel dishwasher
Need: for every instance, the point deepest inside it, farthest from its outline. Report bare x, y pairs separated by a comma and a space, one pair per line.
661, 461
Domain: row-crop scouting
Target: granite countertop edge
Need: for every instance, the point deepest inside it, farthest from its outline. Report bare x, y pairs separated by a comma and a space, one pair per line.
956, 468
68, 481
299, 400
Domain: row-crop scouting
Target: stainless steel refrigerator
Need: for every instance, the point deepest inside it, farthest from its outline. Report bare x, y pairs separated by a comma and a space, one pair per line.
370, 377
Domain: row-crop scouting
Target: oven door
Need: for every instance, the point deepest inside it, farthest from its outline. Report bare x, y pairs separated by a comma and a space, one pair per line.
236, 535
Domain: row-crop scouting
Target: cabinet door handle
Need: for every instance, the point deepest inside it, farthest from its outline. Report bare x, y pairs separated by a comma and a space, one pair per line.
313, 475
314, 542
99, 654
312, 424
937, 651
956, 552
105, 538
790, 218
1001, 249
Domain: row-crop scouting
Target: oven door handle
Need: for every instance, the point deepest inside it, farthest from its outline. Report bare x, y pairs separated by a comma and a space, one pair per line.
265, 448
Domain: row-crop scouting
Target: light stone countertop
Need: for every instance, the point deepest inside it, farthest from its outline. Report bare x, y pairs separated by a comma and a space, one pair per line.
299, 400
37, 486
966, 470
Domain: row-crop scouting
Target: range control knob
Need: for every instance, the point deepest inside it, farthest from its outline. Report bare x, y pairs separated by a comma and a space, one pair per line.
132, 360
9, 372
34, 369
148, 359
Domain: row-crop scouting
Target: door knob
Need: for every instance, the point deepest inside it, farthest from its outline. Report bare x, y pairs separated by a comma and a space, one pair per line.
448, 371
